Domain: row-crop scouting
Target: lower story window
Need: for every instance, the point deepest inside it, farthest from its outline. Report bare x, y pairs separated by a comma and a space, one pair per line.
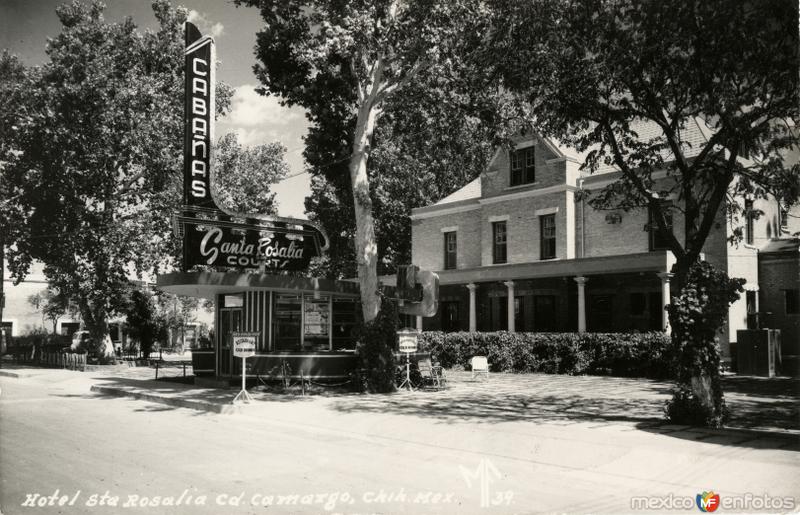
450, 318
345, 319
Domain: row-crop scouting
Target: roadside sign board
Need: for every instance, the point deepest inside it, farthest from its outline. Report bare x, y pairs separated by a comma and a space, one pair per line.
407, 340
244, 344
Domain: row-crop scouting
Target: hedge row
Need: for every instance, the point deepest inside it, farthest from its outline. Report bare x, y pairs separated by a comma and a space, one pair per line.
617, 354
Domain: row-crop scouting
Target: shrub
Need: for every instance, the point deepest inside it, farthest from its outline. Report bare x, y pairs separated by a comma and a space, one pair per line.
696, 316
619, 354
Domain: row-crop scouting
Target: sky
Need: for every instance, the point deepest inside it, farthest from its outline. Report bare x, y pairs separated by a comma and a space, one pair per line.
25, 26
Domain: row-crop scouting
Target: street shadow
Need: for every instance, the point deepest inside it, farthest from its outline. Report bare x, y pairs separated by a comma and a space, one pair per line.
172, 389
730, 436
773, 387
490, 408
564, 400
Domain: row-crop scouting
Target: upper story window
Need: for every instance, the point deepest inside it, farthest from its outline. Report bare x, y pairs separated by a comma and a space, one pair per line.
450, 250
547, 239
749, 219
659, 240
499, 254
523, 166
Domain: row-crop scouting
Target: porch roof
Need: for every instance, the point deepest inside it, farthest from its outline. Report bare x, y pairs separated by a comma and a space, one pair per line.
208, 284
659, 261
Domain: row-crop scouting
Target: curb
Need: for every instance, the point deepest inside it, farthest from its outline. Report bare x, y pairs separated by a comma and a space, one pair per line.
225, 409
17, 375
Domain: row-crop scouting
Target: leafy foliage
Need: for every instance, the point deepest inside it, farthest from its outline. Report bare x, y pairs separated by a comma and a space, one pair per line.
243, 175
52, 304
174, 313
345, 62
142, 320
623, 80
696, 316
95, 154
618, 354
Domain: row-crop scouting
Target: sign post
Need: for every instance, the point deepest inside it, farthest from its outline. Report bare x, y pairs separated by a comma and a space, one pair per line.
407, 343
244, 346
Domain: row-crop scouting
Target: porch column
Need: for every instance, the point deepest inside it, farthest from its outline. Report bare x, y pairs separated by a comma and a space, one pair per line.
473, 322
510, 286
665, 298
419, 323
581, 303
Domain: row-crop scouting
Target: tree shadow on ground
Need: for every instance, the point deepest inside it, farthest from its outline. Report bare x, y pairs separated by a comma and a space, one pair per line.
171, 389
758, 402
565, 400
490, 408
730, 436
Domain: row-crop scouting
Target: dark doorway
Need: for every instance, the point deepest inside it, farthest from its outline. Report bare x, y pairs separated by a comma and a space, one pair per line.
600, 313
230, 321
656, 311
544, 313
498, 313
450, 320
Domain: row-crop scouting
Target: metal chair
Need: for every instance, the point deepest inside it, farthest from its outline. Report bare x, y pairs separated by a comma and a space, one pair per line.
432, 375
480, 365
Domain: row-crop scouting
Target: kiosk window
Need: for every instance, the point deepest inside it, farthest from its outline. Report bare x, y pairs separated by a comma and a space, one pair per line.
316, 323
287, 319
345, 317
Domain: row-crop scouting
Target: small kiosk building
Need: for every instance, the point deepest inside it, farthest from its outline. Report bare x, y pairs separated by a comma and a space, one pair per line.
250, 265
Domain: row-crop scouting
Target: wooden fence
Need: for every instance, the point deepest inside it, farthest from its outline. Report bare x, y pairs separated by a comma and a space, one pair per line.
53, 359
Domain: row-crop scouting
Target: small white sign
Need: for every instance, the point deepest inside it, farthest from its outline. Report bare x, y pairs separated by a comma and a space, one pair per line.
407, 341
244, 344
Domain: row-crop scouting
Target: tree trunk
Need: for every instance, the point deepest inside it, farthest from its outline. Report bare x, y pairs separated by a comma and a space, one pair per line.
3, 346
95, 321
366, 248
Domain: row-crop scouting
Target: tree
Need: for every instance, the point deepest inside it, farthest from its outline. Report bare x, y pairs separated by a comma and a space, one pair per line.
96, 168
174, 312
430, 143
343, 61
52, 304
143, 323
597, 71
13, 92
244, 174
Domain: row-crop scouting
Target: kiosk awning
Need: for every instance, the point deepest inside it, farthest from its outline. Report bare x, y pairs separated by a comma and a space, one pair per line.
208, 284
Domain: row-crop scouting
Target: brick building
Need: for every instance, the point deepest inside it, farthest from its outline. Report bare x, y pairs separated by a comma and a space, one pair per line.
515, 250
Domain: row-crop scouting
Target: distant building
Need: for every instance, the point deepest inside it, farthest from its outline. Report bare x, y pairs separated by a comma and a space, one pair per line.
20, 317
516, 251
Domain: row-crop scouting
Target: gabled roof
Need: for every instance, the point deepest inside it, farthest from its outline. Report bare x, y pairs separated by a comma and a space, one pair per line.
694, 135
470, 191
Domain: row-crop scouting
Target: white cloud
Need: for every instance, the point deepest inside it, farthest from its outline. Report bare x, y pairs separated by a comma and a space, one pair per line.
257, 120
205, 25
249, 109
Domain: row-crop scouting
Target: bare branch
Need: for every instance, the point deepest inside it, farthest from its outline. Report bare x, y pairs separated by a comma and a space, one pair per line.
653, 203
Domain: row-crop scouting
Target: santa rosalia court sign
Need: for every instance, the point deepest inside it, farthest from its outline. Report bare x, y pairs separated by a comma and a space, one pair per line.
212, 235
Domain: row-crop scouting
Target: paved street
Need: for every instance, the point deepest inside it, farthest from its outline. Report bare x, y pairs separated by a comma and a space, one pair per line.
558, 444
